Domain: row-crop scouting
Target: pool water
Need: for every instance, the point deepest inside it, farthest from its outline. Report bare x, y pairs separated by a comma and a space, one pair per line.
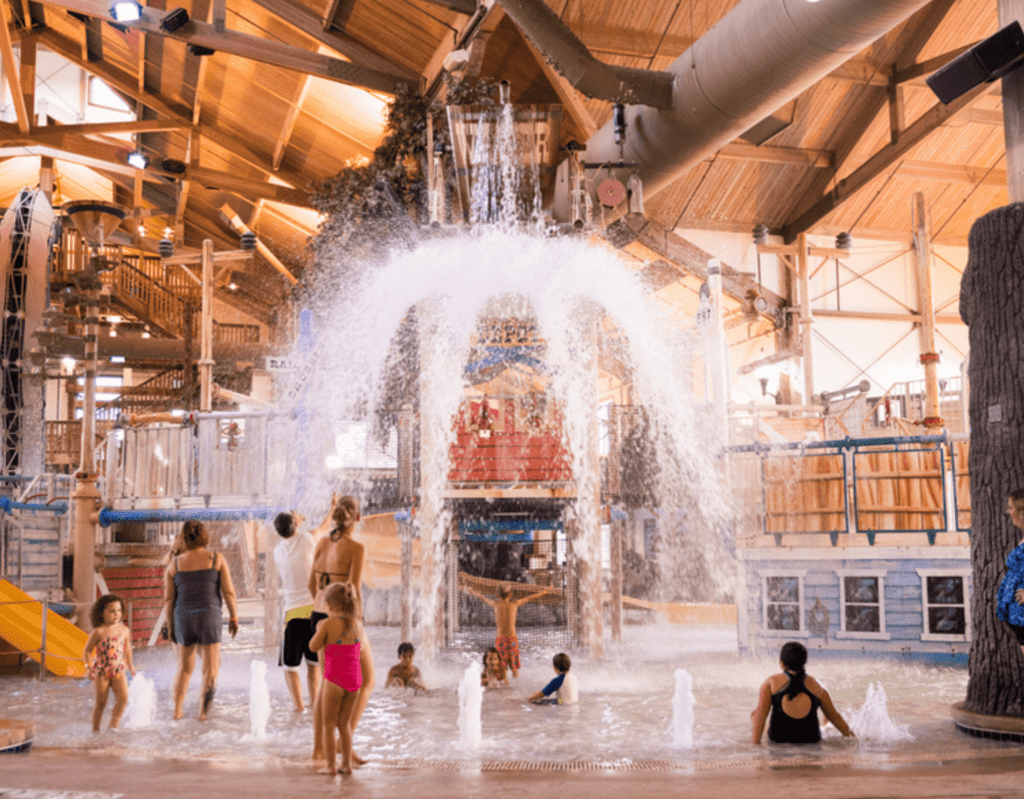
625, 713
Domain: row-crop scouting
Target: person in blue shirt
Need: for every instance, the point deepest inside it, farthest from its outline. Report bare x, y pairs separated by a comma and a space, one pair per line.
564, 686
1010, 599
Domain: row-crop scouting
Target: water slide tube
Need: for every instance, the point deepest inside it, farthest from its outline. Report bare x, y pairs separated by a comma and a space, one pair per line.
21, 626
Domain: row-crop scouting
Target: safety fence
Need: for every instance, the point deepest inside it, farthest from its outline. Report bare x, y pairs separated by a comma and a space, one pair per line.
911, 484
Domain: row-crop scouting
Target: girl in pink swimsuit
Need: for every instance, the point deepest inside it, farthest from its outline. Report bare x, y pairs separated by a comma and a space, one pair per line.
108, 654
339, 636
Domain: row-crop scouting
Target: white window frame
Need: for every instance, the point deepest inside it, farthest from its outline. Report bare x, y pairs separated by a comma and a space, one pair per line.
881, 635
799, 574
965, 575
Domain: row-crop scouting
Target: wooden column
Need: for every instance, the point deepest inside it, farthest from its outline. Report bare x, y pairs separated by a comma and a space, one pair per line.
1013, 109
405, 533
618, 533
929, 357
805, 316
206, 332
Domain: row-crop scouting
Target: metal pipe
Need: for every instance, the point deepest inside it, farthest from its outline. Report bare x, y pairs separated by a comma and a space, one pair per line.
571, 58
754, 60
109, 516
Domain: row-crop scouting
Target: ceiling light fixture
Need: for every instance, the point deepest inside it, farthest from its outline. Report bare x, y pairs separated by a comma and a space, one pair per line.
138, 159
126, 11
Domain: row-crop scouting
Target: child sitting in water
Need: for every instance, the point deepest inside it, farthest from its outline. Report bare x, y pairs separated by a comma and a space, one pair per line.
564, 687
338, 636
108, 656
404, 674
793, 698
494, 674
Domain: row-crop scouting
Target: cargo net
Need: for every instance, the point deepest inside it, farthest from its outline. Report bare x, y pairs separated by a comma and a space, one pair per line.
534, 569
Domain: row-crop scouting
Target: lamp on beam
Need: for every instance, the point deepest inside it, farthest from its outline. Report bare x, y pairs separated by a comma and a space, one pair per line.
126, 11
138, 159
175, 20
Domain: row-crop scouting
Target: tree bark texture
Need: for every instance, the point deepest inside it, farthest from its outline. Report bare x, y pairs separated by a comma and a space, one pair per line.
992, 306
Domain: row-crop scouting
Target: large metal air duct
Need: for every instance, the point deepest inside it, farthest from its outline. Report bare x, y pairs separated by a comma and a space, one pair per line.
757, 58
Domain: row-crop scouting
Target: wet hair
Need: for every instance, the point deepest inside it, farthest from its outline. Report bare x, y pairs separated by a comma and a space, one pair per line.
793, 658
284, 523
194, 535
342, 598
497, 654
561, 662
504, 591
344, 516
1017, 498
100, 605
404, 647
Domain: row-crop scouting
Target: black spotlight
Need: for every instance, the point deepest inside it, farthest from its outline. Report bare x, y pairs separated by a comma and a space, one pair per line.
199, 50
174, 20
165, 247
173, 165
844, 241
989, 59
761, 234
619, 117
248, 240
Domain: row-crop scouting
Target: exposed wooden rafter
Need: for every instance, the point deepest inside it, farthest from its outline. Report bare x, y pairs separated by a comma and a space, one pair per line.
266, 51
881, 161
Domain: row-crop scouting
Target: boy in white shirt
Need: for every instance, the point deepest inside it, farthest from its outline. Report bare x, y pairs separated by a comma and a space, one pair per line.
564, 687
293, 557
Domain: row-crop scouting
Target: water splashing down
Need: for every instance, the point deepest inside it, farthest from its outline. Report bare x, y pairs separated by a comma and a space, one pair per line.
259, 700
682, 711
471, 695
141, 702
871, 722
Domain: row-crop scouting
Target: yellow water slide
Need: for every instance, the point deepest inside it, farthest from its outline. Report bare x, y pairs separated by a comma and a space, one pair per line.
21, 626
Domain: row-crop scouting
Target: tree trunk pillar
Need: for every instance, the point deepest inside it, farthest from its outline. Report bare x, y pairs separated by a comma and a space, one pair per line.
992, 306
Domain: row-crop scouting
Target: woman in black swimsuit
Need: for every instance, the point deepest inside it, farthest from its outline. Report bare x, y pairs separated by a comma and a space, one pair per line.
339, 558
793, 698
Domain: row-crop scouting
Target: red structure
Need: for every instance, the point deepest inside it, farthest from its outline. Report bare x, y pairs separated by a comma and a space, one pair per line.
508, 440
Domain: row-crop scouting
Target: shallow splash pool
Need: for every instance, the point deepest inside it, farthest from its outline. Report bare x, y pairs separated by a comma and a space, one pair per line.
624, 718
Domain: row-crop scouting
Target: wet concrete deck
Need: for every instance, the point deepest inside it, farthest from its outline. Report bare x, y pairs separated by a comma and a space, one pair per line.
51, 772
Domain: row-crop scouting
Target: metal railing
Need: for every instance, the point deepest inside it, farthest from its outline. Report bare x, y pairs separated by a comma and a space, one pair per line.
907, 484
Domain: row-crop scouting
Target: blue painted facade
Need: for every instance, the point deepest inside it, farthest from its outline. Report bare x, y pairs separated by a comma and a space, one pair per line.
908, 602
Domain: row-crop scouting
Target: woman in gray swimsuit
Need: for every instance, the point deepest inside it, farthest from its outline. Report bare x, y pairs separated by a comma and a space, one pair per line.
195, 584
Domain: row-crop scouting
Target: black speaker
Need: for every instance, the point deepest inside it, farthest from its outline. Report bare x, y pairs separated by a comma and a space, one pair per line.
988, 60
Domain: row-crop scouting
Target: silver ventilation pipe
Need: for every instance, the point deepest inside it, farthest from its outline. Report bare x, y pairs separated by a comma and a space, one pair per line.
571, 58
757, 58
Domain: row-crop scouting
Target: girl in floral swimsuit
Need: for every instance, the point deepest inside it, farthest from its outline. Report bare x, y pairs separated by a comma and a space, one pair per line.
108, 654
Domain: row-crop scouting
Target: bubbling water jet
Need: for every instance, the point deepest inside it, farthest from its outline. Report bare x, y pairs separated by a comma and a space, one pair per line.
259, 700
471, 697
871, 721
141, 702
682, 710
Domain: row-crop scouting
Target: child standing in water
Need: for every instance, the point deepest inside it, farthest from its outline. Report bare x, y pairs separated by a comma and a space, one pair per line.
494, 674
339, 636
108, 656
505, 609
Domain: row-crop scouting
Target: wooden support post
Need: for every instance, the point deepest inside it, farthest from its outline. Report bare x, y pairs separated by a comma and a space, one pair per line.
206, 332
805, 316
28, 78
1013, 109
929, 357
405, 533
617, 535
46, 177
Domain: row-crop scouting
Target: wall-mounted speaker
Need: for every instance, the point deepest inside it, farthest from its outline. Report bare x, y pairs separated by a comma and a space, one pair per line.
988, 60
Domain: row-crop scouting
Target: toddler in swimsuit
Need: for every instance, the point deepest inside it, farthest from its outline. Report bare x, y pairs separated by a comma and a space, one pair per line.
108, 655
339, 636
